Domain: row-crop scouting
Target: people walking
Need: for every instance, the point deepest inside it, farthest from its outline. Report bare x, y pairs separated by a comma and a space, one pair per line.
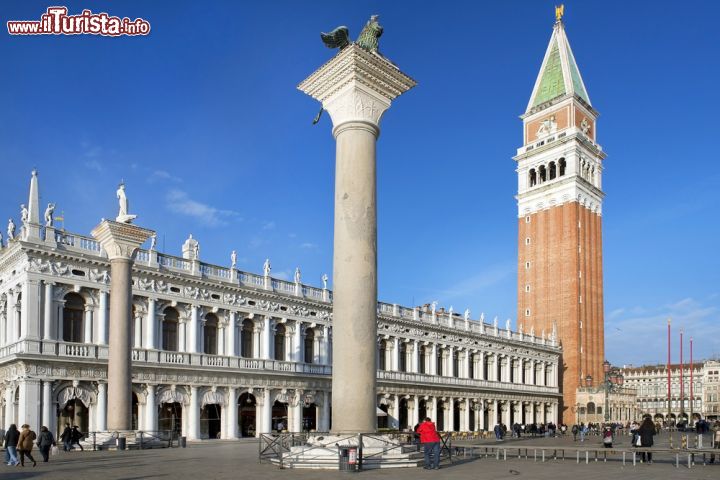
66, 438
76, 436
10, 441
430, 440
646, 433
45, 442
608, 437
575, 431
716, 438
25, 445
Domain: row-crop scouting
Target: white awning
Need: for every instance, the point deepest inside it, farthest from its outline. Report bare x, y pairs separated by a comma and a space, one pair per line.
380, 413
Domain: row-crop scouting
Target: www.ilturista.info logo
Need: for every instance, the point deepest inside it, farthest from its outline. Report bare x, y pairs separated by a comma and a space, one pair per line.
57, 22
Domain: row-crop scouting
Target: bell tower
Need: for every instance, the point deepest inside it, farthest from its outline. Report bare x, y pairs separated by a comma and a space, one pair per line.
559, 167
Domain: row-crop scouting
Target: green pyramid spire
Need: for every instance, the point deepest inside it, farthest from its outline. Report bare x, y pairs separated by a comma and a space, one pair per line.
559, 74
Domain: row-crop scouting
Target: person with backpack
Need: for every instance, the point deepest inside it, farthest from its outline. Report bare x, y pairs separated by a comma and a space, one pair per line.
45, 442
25, 445
430, 440
575, 431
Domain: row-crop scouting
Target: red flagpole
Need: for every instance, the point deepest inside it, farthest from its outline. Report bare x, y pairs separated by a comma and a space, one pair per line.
691, 379
682, 387
668, 371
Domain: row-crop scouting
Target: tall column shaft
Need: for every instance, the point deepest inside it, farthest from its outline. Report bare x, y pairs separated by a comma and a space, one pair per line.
355, 278
231, 427
47, 404
101, 418
193, 431
151, 409
119, 364
193, 331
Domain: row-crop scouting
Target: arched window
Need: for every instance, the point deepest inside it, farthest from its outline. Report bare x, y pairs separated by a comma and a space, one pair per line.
382, 355
210, 334
402, 364
246, 338
562, 165
73, 318
170, 329
552, 171
533, 177
280, 342
542, 172
309, 346
591, 408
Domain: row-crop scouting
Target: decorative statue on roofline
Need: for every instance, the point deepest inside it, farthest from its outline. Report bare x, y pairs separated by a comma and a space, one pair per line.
367, 40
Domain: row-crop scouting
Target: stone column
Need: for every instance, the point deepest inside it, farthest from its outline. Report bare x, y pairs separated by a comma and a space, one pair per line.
415, 419
231, 426
29, 404
193, 431
231, 349
298, 342
433, 409
297, 414
324, 421
481, 416
433, 360
355, 87
30, 313
267, 339
182, 328
48, 313
466, 415
449, 415
101, 412
87, 324
151, 409
11, 317
415, 359
102, 336
150, 325
451, 362
9, 398
395, 366
48, 412
266, 412
193, 330
120, 241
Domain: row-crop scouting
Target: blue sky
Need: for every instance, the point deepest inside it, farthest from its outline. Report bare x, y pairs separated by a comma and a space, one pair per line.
203, 121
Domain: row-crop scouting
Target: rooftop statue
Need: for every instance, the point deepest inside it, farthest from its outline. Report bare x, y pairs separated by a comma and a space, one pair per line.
368, 39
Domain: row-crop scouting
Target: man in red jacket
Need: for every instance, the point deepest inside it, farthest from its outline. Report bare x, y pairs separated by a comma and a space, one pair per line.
430, 440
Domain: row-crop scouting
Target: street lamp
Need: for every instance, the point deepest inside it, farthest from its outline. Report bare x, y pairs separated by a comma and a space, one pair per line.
613, 382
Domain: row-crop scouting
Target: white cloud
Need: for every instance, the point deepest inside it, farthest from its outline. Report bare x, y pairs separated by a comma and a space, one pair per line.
282, 275
268, 225
179, 202
308, 245
477, 283
94, 165
163, 176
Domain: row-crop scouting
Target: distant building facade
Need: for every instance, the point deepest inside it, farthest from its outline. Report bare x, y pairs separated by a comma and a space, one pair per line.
699, 397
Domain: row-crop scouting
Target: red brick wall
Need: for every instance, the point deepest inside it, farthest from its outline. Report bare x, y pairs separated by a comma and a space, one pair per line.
564, 241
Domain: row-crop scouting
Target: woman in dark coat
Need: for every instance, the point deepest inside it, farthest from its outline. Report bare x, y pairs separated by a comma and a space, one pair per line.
646, 433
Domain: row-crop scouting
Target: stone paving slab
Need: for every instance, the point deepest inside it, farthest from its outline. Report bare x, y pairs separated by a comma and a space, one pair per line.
238, 460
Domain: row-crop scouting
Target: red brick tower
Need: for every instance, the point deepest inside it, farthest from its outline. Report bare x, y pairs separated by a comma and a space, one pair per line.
559, 166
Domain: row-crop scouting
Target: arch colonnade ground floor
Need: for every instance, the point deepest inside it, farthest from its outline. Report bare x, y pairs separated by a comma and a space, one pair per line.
228, 412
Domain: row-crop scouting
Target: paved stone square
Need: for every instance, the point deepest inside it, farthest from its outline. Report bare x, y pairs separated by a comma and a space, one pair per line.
233, 460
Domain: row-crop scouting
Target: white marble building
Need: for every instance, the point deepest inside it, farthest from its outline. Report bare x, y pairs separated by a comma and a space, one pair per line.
220, 353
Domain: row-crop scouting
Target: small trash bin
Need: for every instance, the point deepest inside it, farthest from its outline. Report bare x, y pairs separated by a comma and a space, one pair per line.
347, 460
121, 443
183, 442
